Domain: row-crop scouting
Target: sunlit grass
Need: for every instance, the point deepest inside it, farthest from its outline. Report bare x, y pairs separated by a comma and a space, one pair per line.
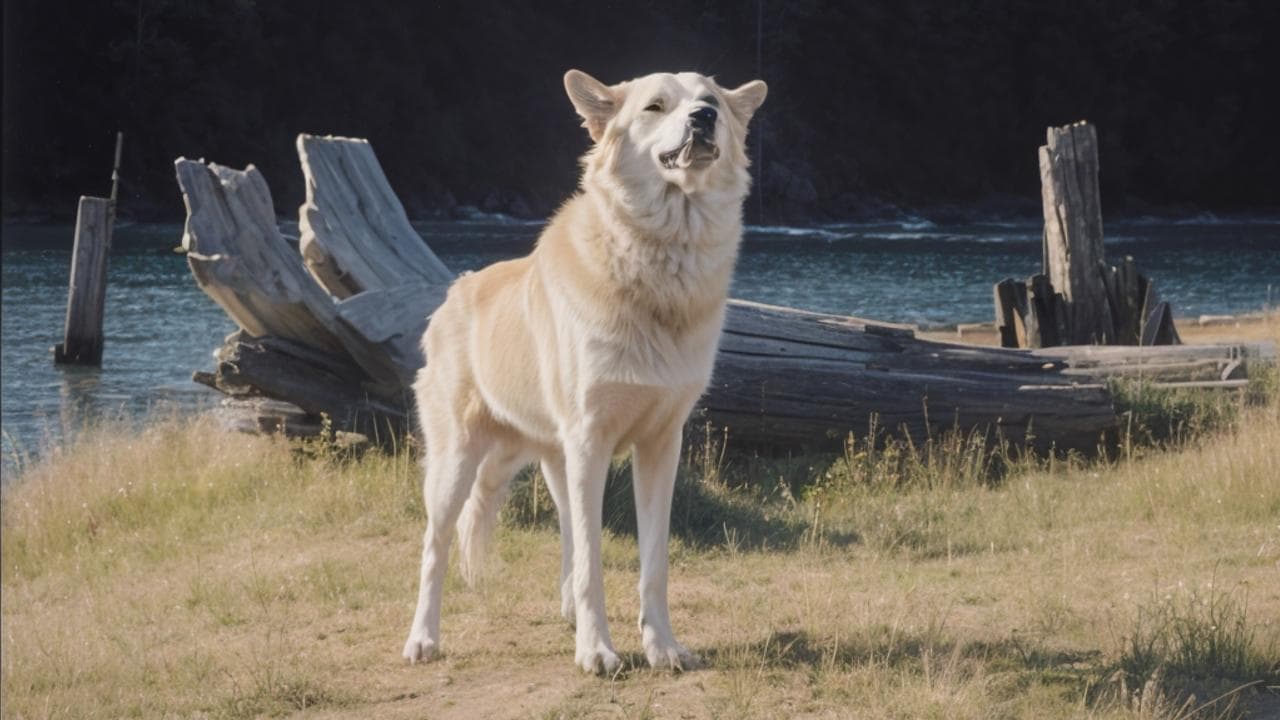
182, 570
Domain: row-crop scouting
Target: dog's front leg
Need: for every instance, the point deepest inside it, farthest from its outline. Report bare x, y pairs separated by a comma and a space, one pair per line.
586, 469
653, 471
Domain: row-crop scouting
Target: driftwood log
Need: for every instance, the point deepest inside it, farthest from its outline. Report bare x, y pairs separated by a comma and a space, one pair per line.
332, 327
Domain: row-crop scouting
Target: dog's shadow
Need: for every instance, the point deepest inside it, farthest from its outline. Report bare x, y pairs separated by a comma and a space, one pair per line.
703, 515
875, 646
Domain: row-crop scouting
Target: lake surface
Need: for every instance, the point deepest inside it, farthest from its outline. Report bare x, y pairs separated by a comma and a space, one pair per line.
160, 327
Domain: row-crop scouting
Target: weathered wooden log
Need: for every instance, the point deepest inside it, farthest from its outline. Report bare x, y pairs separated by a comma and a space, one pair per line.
318, 383
87, 291
336, 333
1167, 363
786, 376
392, 326
763, 401
239, 258
1073, 255
355, 235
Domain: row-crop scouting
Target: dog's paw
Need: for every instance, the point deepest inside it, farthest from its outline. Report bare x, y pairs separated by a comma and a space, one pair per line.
670, 655
420, 649
598, 660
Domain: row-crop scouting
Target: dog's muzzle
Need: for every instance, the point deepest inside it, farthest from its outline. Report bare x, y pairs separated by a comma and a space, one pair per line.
699, 145
698, 149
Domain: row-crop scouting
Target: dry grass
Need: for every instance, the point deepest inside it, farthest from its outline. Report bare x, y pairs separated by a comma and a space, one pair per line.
181, 571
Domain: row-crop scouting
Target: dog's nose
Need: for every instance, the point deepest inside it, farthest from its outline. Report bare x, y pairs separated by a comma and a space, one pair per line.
704, 118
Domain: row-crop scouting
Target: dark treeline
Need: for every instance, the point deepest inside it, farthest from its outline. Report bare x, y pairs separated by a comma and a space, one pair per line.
913, 104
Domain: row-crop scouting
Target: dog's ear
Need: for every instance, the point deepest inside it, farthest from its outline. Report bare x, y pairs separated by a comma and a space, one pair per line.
747, 98
596, 102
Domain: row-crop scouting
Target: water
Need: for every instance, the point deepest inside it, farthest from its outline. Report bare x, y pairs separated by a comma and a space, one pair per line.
160, 327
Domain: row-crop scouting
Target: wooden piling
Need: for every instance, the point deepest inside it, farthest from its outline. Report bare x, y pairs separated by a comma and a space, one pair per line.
86, 293
1073, 255
82, 336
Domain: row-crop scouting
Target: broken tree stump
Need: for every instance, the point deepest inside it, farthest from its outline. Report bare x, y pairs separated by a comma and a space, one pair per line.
1073, 253
1078, 300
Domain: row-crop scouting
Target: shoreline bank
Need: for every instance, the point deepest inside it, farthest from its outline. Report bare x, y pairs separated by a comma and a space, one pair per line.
1192, 328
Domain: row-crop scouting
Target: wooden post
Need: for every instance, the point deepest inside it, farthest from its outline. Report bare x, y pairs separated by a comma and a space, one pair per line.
1073, 255
1011, 309
82, 332
82, 335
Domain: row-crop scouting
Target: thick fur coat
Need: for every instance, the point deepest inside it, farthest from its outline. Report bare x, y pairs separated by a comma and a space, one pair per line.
597, 343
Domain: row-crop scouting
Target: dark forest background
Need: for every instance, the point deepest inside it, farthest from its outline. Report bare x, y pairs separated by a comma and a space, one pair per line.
928, 105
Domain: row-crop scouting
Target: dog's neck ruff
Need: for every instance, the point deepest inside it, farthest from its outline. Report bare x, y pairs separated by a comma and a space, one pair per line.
667, 244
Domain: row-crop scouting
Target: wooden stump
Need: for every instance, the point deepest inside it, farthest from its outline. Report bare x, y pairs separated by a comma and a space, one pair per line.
1078, 300
86, 293
1073, 255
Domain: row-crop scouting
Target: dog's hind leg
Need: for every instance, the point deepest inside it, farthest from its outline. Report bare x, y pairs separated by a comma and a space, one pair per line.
653, 479
451, 472
553, 473
480, 513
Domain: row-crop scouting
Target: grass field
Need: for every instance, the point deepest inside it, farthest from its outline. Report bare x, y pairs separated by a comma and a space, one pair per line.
182, 571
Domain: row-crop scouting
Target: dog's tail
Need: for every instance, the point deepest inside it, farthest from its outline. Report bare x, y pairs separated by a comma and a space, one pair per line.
478, 519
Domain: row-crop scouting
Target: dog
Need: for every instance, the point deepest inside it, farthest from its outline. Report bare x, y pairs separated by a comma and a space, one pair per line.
598, 342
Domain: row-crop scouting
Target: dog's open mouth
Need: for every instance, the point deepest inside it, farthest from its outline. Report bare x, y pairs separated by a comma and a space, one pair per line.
697, 150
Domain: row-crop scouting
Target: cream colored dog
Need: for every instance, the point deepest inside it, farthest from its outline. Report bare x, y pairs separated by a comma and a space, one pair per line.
599, 341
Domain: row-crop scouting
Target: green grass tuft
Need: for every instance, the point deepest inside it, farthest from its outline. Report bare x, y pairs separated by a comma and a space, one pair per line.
1194, 638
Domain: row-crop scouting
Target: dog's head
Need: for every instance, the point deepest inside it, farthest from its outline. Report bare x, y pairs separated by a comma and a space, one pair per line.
683, 129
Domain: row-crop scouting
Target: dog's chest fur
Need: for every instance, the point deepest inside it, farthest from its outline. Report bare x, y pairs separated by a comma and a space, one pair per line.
664, 294
670, 280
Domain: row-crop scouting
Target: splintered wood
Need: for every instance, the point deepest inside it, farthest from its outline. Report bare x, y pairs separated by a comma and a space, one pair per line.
332, 326
1079, 299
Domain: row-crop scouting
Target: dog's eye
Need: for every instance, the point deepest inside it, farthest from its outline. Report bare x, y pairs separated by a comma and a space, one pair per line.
654, 106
